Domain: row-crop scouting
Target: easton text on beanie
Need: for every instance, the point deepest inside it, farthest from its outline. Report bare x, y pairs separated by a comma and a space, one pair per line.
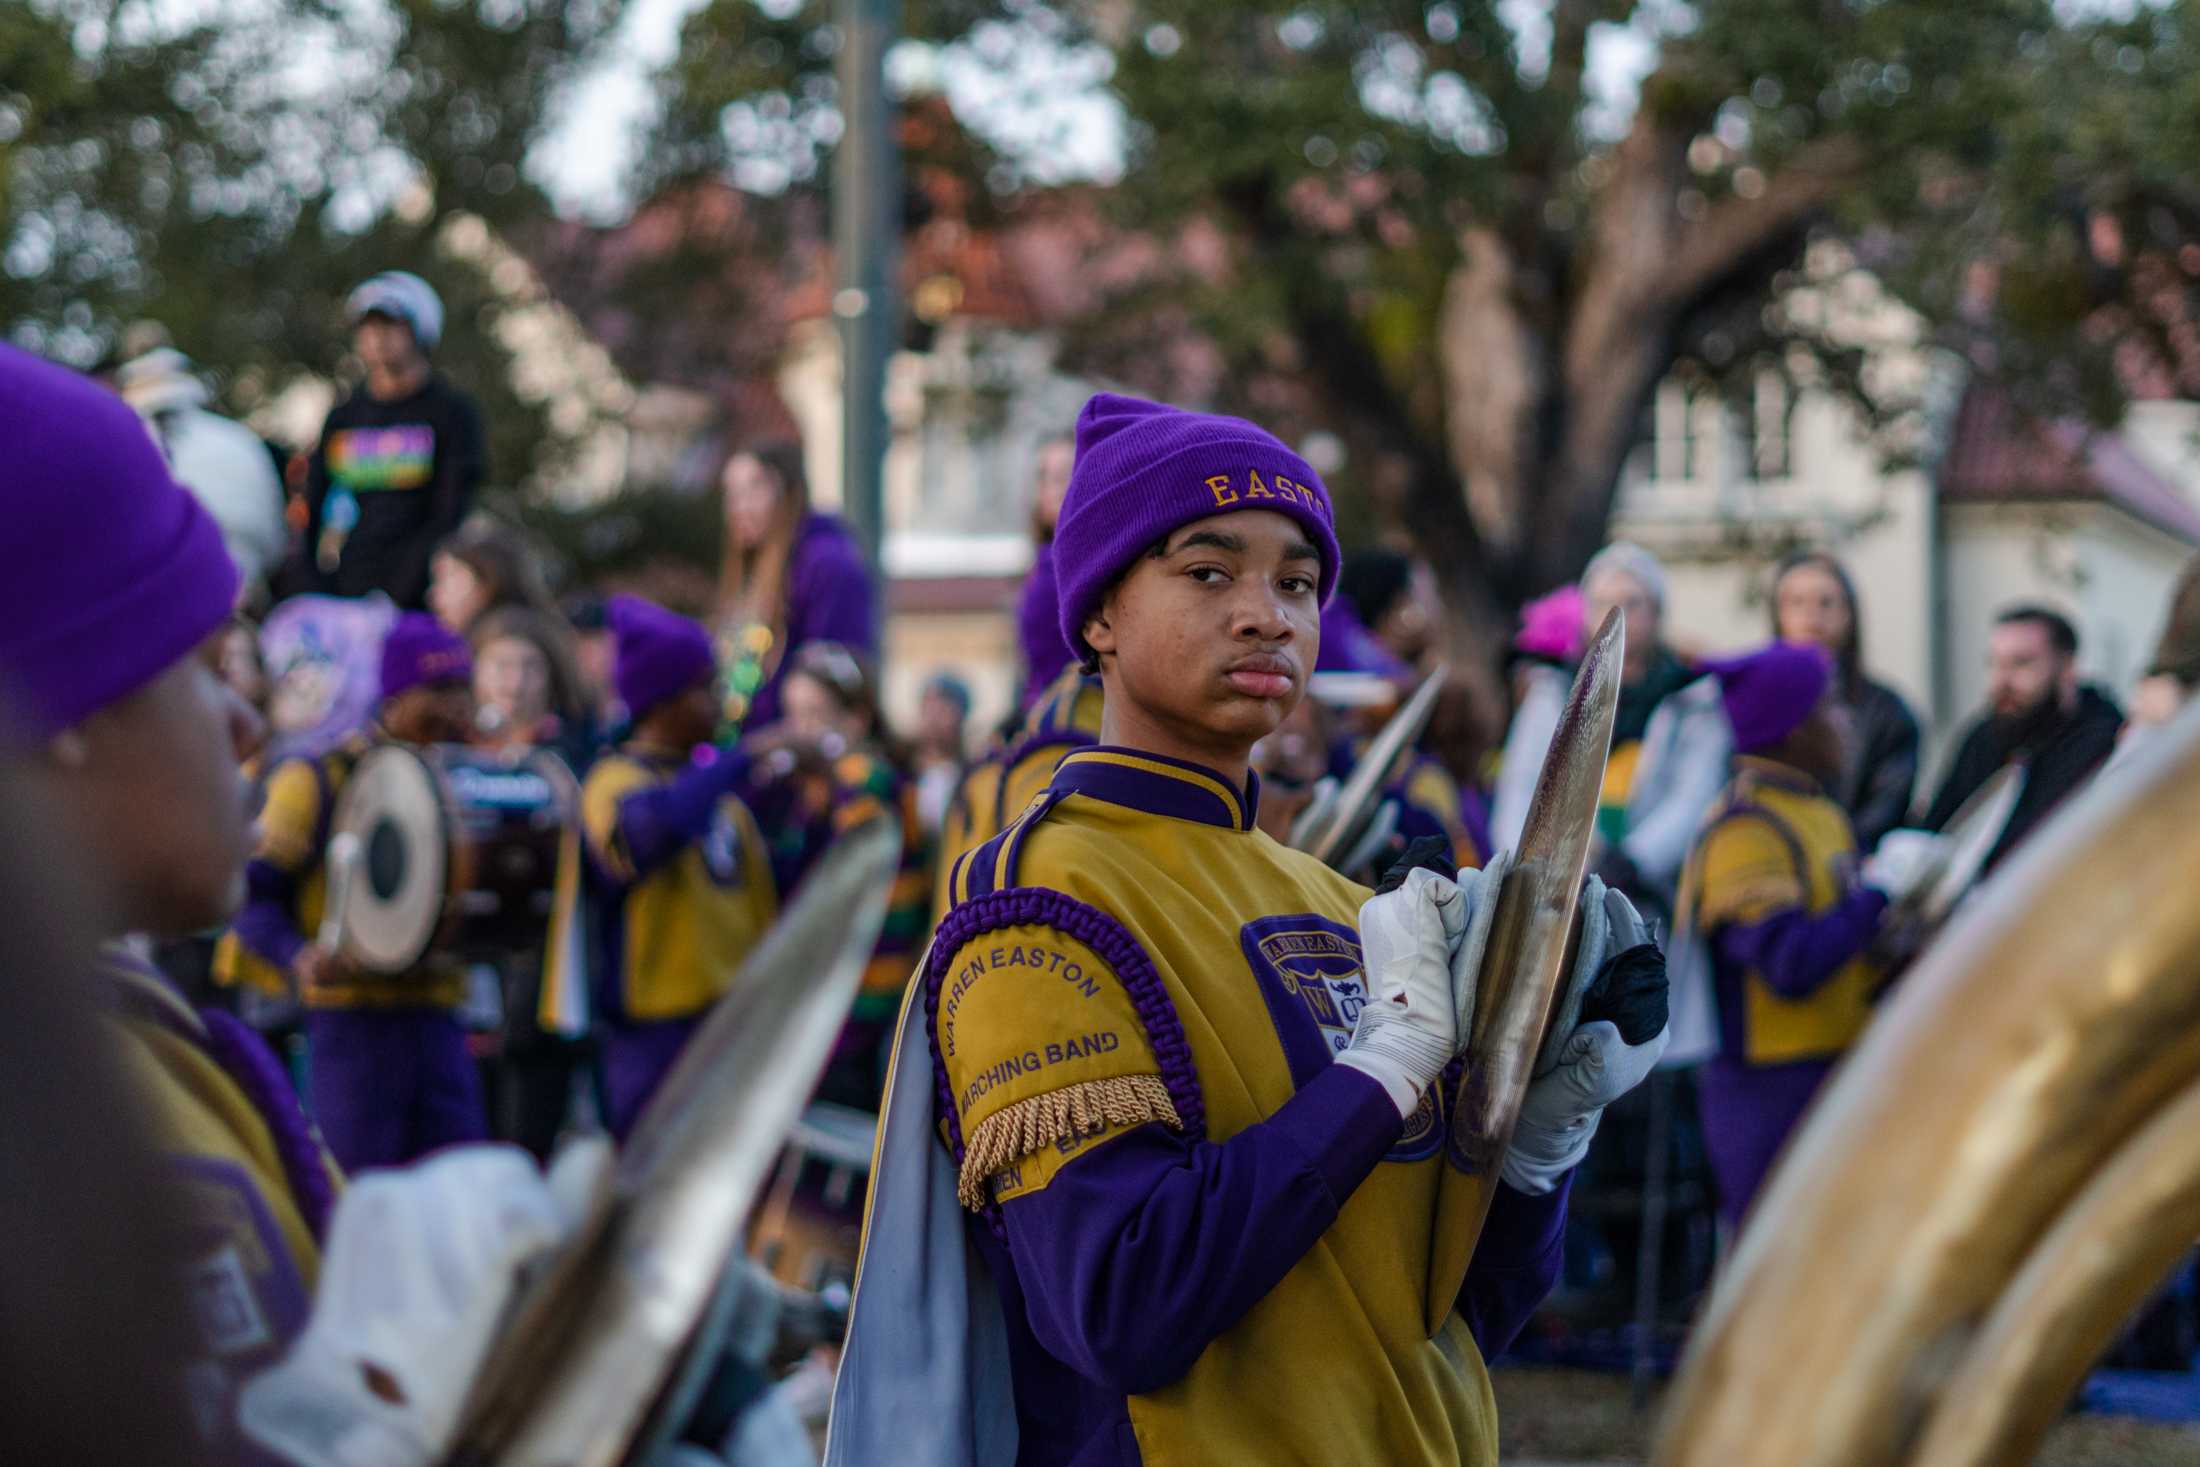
1145, 469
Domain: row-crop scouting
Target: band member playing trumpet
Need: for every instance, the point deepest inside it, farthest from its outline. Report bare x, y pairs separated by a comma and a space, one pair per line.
680, 879
1775, 889
390, 1078
1182, 1070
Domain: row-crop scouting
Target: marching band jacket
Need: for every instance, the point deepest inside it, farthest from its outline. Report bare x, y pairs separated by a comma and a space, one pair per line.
681, 881
995, 790
258, 1185
1210, 1242
1772, 887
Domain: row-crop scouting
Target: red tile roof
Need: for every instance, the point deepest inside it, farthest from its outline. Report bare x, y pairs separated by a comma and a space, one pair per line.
1997, 454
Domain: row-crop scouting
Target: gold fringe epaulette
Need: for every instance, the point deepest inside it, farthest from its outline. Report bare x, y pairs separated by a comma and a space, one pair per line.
1016, 1131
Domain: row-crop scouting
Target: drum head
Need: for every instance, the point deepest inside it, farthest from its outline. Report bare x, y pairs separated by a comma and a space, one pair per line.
393, 804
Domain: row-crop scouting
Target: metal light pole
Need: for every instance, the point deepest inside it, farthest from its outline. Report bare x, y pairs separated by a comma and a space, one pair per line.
866, 248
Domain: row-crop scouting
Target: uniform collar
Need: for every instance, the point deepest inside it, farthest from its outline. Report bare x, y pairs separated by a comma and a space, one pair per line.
1158, 785
139, 988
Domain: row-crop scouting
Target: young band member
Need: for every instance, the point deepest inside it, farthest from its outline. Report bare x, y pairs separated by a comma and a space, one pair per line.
1773, 886
679, 877
390, 1078
114, 594
1183, 1072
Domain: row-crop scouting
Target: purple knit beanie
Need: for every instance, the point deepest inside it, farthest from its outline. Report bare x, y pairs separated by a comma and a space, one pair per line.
1145, 469
421, 650
110, 572
660, 653
1769, 692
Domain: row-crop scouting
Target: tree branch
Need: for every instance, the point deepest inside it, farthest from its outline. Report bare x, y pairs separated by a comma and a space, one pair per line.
1736, 228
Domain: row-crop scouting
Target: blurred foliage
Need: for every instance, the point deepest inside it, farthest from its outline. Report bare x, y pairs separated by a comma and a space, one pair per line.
1319, 176
233, 170
1467, 239
656, 536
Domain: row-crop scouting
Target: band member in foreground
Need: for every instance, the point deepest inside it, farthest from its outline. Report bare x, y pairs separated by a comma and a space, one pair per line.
679, 876
1775, 889
1180, 1069
116, 592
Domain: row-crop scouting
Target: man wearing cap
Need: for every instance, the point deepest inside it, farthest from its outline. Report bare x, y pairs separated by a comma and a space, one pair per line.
399, 458
114, 594
390, 1078
679, 877
1774, 888
1183, 1074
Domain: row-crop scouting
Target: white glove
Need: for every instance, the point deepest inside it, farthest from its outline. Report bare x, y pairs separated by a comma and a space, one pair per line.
421, 1265
1480, 888
1582, 1068
1906, 862
1408, 1030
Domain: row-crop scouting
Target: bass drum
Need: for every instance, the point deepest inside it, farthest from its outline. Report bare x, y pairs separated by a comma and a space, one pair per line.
457, 852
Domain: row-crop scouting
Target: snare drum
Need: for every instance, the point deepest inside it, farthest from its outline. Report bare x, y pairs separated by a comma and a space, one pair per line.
455, 850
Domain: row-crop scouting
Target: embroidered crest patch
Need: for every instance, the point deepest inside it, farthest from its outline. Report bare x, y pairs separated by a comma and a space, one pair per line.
1310, 972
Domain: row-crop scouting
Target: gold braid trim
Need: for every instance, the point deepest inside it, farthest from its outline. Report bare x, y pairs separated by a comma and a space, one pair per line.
1016, 1131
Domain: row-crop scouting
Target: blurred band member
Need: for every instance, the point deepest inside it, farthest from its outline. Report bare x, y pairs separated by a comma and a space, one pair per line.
115, 590
1775, 888
681, 882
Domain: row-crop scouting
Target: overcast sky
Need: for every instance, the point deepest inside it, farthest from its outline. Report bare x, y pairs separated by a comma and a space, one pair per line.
1054, 113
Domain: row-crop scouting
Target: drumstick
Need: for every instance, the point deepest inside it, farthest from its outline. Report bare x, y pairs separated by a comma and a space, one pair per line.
343, 864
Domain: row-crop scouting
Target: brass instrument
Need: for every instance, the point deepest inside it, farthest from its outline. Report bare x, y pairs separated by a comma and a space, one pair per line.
1339, 831
1532, 934
2003, 1168
605, 1350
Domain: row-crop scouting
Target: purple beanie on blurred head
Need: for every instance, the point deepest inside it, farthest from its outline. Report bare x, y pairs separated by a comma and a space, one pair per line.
110, 572
1145, 470
420, 651
1769, 692
660, 653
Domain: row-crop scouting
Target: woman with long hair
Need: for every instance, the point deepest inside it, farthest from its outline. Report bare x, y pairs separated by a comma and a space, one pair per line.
1814, 603
791, 576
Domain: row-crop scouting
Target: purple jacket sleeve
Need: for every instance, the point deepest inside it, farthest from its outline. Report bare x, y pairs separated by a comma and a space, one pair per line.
265, 926
658, 823
1140, 1253
1797, 953
1515, 1263
829, 593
